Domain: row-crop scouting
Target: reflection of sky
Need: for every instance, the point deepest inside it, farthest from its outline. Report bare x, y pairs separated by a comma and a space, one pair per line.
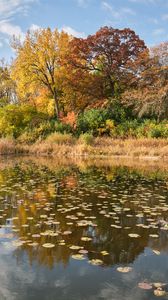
79, 281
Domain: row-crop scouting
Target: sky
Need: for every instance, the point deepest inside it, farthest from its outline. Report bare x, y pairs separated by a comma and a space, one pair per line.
149, 18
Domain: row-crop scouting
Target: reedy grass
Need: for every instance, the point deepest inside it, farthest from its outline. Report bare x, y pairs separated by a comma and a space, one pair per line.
143, 147
67, 145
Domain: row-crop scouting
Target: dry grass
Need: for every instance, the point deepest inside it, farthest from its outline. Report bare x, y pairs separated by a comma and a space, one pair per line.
60, 139
151, 148
7, 146
65, 145
133, 147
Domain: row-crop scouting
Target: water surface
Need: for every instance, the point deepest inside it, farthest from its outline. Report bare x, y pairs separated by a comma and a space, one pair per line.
67, 230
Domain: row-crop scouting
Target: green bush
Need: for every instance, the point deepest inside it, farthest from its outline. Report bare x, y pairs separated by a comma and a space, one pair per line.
92, 120
118, 112
28, 137
148, 128
62, 128
27, 125
127, 129
158, 131
41, 130
86, 139
100, 122
15, 118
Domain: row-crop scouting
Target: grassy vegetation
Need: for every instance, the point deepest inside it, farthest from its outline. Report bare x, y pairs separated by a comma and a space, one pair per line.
95, 132
59, 145
9, 146
105, 146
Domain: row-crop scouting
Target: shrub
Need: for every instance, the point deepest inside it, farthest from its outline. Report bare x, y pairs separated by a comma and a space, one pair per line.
62, 127
15, 118
27, 137
86, 138
127, 129
92, 120
118, 112
158, 131
41, 130
60, 139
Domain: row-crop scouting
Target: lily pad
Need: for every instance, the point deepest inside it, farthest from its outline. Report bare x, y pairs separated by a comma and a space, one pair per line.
96, 262
86, 239
78, 256
48, 245
145, 285
124, 269
133, 235
159, 292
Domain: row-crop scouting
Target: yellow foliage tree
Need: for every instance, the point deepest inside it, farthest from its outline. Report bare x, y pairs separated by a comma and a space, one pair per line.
38, 64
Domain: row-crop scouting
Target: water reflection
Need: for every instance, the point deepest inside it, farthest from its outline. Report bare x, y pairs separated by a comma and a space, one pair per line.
82, 215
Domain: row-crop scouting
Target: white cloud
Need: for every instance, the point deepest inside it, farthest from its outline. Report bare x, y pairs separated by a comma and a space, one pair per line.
117, 14
34, 27
8, 8
10, 29
73, 32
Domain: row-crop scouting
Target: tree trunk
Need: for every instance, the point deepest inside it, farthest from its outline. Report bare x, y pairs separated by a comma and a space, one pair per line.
57, 112
111, 83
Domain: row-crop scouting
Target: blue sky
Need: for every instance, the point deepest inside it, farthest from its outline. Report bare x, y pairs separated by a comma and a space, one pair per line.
149, 18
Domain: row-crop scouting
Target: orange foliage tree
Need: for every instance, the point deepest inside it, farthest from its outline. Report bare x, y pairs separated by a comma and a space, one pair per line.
106, 57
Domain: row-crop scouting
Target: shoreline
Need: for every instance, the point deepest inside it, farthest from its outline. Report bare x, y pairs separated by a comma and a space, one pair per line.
106, 148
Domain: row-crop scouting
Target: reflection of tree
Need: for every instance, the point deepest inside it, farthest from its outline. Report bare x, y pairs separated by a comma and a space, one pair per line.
38, 198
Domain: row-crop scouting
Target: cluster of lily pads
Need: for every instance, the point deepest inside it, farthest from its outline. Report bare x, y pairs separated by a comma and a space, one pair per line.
91, 220
159, 289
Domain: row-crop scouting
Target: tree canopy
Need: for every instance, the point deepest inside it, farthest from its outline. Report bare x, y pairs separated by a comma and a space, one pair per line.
38, 63
60, 76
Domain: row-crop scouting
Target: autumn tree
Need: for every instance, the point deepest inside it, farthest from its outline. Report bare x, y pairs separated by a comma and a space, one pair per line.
107, 55
7, 85
161, 53
80, 89
38, 64
148, 92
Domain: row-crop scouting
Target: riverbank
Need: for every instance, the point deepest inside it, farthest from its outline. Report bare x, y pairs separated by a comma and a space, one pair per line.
132, 148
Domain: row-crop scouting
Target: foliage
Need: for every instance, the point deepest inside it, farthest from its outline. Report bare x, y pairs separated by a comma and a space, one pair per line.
100, 121
69, 119
108, 54
42, 130
148, 93
153, 129
39, 63
60, 139
15, 118
107, 84
7, 85
92, 120
99, 124
86, 138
